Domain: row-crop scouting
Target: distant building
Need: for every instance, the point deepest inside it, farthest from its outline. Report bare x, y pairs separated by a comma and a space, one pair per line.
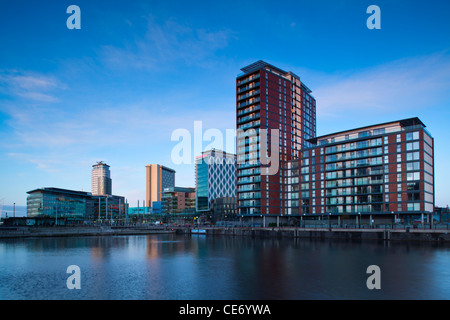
158, 178
74, 205
178, 200
101, 179
442, 213
215, 180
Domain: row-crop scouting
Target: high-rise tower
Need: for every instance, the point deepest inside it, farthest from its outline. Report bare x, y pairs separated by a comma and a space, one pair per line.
277, 101
101, 179
158, 178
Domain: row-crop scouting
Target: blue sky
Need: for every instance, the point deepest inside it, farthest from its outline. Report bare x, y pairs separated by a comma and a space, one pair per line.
116, 90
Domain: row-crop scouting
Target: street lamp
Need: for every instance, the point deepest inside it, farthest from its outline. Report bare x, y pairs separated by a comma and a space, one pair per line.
329, 220
392, 212
359, 221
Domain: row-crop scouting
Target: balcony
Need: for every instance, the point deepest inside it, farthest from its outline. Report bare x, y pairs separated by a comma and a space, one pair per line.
249, 172
249, 180
248, 95
249, 87
252, 124
248, 118
249, 102
250, 195
242, 151
248, 110
247, 80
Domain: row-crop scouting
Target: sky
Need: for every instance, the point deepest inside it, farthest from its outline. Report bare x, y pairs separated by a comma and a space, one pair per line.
117, 89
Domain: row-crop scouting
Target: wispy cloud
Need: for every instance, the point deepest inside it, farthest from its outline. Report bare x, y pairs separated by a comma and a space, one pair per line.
30, 86
404, 84
167, 42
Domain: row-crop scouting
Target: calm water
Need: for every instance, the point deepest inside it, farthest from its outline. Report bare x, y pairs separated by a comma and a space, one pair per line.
210, 268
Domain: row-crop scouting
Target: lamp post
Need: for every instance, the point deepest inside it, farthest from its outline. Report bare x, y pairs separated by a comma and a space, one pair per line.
392, 212
329, 220
359, 220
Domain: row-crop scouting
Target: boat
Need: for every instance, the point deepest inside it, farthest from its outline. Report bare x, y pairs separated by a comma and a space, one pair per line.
198, 231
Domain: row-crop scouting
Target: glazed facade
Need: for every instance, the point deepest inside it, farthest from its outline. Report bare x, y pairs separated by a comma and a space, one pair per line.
75, 205
215, 176
385, 169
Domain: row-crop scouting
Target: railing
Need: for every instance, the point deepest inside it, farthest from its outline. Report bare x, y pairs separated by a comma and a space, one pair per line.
246, 80
248, 110
249, 102
250, 94
251, 86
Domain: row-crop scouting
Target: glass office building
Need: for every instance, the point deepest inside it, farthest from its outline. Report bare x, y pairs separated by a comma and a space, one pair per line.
74, 205
54, 202
215, 173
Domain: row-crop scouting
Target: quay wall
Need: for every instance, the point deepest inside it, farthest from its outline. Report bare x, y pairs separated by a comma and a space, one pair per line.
432, 235
325, 233
26, 232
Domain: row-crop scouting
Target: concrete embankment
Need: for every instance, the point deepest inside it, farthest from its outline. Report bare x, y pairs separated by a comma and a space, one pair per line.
24, 232
335, 233
432, 235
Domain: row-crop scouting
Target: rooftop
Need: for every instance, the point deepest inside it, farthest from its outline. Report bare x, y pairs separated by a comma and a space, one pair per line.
405, 123
260, 65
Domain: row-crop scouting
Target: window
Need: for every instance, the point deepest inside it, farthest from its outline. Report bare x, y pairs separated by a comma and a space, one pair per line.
412, 136
413, 186
412, 156
413, 206
413, 176
412, 146
412, 166
413, 196
378, 131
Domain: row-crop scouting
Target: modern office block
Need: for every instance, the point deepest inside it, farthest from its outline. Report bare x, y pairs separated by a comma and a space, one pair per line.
215, 180
74, 205
158, 178
379, 171
269, 101
178, 200
101, 179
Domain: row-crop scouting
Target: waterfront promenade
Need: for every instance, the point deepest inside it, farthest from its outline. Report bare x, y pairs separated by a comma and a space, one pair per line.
317, 232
